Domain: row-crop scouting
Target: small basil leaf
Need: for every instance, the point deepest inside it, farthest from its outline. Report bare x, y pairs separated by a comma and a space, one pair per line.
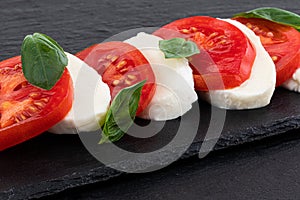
121, 113
273, 14
43, 60
178, 48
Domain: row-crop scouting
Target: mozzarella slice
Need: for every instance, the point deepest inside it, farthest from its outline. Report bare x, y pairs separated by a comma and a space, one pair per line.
257, 90
91, 100
175, 93
293, 83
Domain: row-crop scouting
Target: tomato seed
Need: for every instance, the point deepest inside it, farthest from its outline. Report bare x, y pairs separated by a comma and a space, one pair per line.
34, 95
274, 58
223, 41
128, 82
123, 70
214, 34
256, 29
131, 77
249, 25
46, 100
115, 82
100, 60
114, 58
32, 108
17, 119
185, 31
39, 104
108, 57
210, 43
121, 64
23, 117
270, 34
194, 29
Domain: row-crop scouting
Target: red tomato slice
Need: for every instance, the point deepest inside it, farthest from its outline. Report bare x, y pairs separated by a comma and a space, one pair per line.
121, 65
226, 55
281, 42
25, 110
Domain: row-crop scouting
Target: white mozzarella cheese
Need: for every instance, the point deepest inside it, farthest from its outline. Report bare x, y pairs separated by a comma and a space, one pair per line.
175, 93
257, 90
293, 83
91, 99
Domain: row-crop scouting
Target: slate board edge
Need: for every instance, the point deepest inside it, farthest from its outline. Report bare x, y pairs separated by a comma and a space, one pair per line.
102, 174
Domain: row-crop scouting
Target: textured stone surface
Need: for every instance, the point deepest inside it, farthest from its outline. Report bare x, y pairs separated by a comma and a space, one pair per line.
262, 170
50, 164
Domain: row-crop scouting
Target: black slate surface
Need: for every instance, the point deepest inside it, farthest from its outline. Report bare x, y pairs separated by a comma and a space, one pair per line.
50, 164
268, 169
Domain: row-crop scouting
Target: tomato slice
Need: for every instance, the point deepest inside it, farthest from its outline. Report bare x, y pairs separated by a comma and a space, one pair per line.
281, 42
25, 110
226, 55
121, 65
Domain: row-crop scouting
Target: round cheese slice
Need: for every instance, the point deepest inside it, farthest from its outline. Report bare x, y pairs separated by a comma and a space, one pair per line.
91, 100
255, 92
174, 93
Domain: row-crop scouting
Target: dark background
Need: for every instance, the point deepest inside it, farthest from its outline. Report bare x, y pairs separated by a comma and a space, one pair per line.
266, 169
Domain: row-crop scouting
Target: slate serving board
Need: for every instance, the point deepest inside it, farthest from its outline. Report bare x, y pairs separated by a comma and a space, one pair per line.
49, 163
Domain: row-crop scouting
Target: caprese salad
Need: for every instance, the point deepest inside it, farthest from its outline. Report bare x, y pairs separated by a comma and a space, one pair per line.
232, 63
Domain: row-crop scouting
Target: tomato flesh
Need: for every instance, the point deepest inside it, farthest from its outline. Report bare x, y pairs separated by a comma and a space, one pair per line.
121, 65
25, 110
226, 55
281, 42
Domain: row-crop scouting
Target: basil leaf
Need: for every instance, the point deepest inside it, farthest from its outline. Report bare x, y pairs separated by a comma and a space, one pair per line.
43, 60
121, 113
178, 48
273, 14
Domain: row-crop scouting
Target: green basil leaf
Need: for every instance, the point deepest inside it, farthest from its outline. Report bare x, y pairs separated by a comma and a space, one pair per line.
43, 60
273, 14
121, 113
178, 48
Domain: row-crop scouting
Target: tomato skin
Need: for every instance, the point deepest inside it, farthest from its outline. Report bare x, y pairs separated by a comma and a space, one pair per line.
280, 41
227, 50
121, 65
59, 103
